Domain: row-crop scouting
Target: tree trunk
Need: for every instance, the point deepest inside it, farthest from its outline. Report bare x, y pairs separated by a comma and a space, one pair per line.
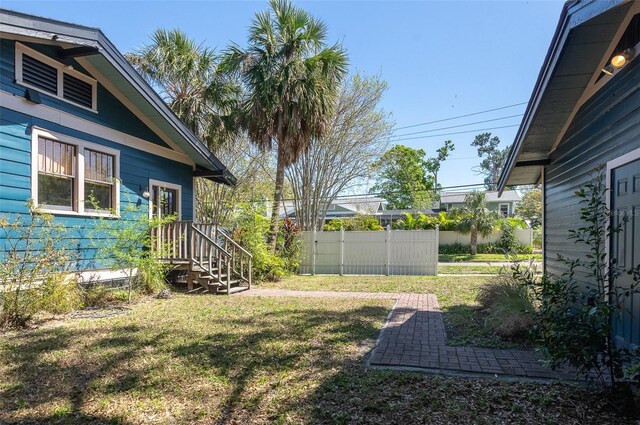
277, 200
474, 242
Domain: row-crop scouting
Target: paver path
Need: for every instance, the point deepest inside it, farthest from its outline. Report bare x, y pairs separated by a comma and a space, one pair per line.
414, 336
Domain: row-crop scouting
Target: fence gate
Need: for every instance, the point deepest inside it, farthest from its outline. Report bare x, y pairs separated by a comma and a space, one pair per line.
392, 252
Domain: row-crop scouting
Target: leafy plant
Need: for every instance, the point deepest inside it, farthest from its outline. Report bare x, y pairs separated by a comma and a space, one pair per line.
359, 222
59, 294
290, 243
252, 230
36, 250
578, 309
125, 243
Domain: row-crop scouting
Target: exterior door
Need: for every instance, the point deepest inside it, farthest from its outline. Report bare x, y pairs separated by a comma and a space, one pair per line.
165, 200
625, 245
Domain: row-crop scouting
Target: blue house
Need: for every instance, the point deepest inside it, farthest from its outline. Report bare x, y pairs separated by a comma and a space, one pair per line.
584, 118
77, 119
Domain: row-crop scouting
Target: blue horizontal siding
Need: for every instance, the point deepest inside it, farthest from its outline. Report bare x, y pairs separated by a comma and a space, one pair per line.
111, 112
81, 236
605, 128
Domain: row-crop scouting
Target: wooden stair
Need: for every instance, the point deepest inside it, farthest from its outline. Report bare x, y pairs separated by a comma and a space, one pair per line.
215, 262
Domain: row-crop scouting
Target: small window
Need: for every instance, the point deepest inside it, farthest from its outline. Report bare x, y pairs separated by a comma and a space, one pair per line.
56, 177
504, 209
40, 72
98, 180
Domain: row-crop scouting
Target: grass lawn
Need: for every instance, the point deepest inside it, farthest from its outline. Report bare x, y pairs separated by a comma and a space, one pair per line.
484, 258
475, 269
239, 360
456, 296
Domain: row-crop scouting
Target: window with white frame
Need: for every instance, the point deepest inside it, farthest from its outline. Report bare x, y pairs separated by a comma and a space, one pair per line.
42, 73
74, 176
504, 209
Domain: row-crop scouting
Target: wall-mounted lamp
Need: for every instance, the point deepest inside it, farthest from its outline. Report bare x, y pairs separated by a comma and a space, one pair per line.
621, 59
146, 194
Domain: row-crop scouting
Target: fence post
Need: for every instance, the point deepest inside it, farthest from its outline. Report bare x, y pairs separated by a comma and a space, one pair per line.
388, 242
341, 250
437, 246
314, 243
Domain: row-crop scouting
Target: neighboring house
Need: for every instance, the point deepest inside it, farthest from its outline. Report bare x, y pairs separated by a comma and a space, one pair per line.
505, 202
76, 118
584, 118
343, 207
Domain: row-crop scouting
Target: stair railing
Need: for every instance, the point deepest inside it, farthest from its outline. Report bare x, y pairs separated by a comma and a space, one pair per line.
203, 252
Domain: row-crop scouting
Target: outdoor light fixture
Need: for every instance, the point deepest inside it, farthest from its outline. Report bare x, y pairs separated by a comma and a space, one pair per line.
146, 194
608, 69
621, 59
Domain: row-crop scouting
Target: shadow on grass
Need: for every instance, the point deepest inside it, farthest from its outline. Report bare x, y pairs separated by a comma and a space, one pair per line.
81, 365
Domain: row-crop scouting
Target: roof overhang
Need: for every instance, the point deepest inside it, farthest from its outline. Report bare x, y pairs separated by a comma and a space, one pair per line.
583, 37
94, 51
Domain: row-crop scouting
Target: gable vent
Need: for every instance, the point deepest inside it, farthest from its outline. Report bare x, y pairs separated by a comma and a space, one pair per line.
77, 91
39, 74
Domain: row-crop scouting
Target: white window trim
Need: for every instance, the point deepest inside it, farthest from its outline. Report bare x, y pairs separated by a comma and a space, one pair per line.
79, 201
507, 205
61, 69
168, 185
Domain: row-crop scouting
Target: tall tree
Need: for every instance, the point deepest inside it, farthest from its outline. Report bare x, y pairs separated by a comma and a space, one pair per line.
403, 179
530, 208
291, 78
477, 218
493, 158
434, 163
187, 76
358, 135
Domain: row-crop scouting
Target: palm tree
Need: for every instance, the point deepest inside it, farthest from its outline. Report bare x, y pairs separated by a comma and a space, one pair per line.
477, 218
292, 82
186, 76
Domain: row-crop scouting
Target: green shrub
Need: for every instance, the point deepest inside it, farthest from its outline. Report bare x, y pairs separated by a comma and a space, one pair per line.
289, 244
537, 237
359, 222
509, 306
151, 276
483, 248
34, 251
251, 232
453, 249
59, 294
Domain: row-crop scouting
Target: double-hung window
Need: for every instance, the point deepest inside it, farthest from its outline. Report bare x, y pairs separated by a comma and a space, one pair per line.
72, 176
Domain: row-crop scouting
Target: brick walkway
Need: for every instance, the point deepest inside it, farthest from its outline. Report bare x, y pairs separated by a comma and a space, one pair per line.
414, 337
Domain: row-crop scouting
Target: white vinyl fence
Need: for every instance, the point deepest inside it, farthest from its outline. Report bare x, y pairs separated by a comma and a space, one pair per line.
524, 236
391, 252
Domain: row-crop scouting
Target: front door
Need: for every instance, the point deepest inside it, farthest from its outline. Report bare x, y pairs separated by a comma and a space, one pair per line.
625, 245
165, 200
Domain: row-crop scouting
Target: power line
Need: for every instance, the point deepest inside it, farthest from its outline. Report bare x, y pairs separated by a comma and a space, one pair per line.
459, 125
462, 116
358, 195
459, 132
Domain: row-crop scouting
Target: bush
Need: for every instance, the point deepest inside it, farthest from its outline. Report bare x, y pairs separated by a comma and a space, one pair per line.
151, 276
509, 306
100, 295
359, 222
59, 294
289, 244
251, 232
483, 248
35, 251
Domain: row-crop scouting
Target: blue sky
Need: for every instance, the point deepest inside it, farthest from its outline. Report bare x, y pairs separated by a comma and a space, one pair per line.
440, 59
